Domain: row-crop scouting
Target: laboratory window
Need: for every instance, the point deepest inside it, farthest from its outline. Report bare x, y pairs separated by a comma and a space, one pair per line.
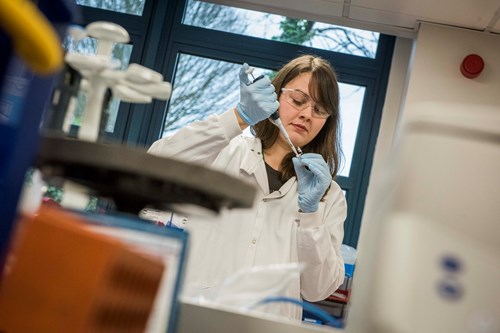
134, 7
286, 29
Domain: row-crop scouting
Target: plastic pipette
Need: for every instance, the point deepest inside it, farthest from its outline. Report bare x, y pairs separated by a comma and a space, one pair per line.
275, 118
254, 79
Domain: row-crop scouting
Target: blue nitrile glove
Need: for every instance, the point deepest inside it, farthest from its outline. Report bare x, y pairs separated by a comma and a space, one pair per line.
258, 100
312, 183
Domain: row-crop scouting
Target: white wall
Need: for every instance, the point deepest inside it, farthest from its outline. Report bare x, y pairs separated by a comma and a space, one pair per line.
436, 76
428, 70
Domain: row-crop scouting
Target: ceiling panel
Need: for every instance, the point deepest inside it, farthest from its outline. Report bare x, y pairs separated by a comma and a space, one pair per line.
383, 17
310, 9
464, 13
495, 22
496, 27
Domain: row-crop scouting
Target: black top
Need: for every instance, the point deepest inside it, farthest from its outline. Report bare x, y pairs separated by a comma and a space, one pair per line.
274, 179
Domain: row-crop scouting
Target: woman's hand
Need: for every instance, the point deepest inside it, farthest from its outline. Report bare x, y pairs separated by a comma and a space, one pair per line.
313, 181
258, 100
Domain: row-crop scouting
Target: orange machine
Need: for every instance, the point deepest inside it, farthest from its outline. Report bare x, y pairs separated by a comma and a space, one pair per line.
63, 277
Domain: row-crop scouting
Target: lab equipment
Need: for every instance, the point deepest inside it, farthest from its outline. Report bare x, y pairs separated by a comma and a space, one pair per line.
194, 317
64, 101
337, 304
250, 72
32, 193
349, 255
135, 84
428, 260
108, 273
78, 280
30, 30
275, 119
30, 57
314, 178
169, 245
134, 179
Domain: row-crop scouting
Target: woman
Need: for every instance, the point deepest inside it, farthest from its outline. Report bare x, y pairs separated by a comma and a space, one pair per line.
299, 211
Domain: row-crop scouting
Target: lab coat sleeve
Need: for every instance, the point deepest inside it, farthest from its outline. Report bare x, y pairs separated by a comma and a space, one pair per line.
201, 141
320, 236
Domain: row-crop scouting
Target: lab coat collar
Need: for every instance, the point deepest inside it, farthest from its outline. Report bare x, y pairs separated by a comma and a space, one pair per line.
253, 164
253, 157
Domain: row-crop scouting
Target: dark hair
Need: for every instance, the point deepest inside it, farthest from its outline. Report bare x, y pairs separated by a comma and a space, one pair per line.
324, 90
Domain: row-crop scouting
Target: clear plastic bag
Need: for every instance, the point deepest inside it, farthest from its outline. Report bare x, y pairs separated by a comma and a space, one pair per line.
262, 289
247, 287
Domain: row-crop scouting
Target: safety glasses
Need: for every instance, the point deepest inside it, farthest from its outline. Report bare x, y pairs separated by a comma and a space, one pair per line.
300, 101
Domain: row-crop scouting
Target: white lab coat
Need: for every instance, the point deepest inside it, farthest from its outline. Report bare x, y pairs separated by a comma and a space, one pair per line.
272, 231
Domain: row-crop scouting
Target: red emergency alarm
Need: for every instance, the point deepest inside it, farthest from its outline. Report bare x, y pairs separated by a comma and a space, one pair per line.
472, 66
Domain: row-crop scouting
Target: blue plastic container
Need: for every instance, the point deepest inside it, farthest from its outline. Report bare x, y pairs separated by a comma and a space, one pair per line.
23, 99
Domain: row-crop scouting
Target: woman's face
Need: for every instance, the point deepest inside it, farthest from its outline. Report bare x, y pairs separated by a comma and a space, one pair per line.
301, 126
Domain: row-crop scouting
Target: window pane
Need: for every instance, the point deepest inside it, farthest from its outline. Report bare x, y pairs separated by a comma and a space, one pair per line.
275, 27
121, 52
351, 102
204, 86
134, 7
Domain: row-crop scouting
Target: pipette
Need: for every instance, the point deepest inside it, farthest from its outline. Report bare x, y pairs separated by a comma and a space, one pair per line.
254, 79
275, 118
